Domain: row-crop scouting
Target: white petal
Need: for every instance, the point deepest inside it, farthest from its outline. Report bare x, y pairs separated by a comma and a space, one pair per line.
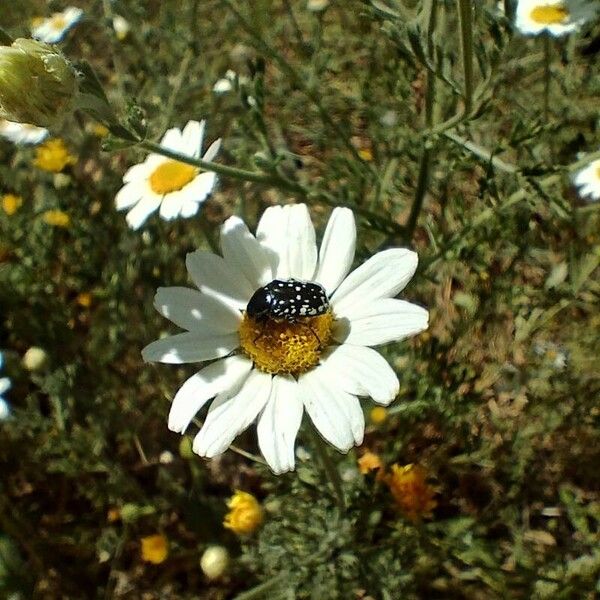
129, 194
192, 137
140, 171
301, 242
270, 233
192, 310
381, 322
4, 384
337, 249
382, 276
170, 206
279, 423
201, 186
362, 372
212, 151
190, 347
244, 253
324, 403
172, 140
142, 210
221, 375
228, 417
214, 276
189, 208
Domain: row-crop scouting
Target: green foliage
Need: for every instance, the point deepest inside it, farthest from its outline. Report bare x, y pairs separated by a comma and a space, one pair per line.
361, 105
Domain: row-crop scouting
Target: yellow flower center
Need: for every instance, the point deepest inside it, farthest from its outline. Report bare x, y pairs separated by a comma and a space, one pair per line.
58, 22
549, 15
171, 176
278, 346
245, 513
11, 204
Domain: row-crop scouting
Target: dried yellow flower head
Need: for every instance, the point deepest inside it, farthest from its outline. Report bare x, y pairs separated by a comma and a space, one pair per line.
155, 549
245, 513
57, 218
37, 83
413, 495
378, 415
53, 156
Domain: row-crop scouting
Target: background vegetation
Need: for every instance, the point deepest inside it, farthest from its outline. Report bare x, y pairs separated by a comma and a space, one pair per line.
366, 104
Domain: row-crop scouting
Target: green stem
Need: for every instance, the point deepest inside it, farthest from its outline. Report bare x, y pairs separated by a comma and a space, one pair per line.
233, 172
330, 469
546, 37
260, 590
465, 21
423, 178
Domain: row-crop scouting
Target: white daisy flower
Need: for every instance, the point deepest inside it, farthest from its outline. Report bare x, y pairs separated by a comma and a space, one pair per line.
588, 181
53, 29
22, 133
557, 17
177, 188
288, 330
121, 27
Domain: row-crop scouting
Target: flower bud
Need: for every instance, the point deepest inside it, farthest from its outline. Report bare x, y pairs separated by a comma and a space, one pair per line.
37, 83
214, 561
35, 359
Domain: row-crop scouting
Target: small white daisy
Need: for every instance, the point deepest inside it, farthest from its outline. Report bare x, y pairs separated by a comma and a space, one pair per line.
177, 188
22, 133
557, 17
53, 29
588, 181
288, 330
121, 27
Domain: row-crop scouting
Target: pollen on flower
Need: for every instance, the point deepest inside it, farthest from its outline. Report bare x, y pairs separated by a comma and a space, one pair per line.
413, 495
550, 14
278, 346
53, 156
171, 176
245, 513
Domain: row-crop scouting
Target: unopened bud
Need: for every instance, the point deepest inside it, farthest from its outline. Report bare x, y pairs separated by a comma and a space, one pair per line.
35, 359
214, 562
37, 83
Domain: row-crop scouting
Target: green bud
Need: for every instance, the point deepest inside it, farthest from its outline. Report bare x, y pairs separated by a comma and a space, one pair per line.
37, 83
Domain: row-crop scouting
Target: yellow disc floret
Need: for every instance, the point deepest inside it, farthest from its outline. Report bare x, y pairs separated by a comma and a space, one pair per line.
279, 346
549, 14
171, 176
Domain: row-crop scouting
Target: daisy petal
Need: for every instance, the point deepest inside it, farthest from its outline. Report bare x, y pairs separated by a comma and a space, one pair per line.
380, 322
189, 208
279, 423
137, 172
271, 236
172, 140
229, 416
142, 210
244, 253
301, 246
129, 194
190, 347
212, 151
337, 249
221, 375
202, 185
170, 207
362, 372
214, 276
192, 310
192, 136
324, 404
382, 276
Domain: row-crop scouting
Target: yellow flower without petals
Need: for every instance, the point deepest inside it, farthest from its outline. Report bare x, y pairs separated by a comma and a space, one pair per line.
413, 495
53, 156
155, 548
57, 218
378, 415
366, 154
368, 462
84, 299
11, 203
245, 513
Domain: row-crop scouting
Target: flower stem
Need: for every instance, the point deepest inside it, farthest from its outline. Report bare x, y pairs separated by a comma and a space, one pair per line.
330, 468
260, 591
233, 172
547, 49
465, 20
